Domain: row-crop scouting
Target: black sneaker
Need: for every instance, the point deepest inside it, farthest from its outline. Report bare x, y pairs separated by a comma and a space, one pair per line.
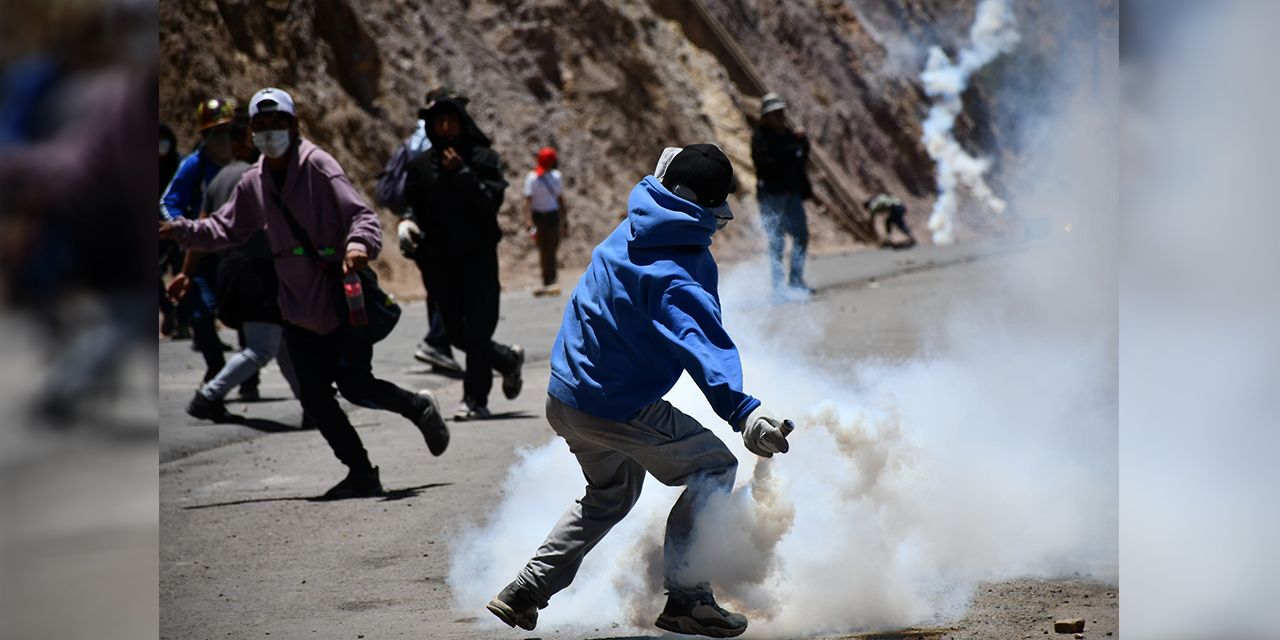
358, 484
511, 382
428, 354
515, 606
249, 394
695, 612
203, 408
432, 425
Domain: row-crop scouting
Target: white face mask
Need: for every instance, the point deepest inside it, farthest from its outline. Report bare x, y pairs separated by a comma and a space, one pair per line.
165, 146
273, 143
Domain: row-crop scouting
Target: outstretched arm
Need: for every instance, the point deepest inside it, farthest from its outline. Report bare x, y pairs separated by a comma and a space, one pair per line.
689, 317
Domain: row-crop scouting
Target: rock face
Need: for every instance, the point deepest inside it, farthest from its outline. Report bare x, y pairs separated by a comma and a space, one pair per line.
609, 83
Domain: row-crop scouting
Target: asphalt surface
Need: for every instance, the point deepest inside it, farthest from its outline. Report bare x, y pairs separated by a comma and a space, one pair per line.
247, 551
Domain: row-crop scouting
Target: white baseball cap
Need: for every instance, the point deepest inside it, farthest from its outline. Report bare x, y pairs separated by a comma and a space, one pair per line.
271, 99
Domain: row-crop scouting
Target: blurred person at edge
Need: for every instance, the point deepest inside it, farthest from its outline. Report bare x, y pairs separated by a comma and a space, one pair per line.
77, 221
545, 214
170, 257
434, 349
454, 191
781, 156
296, 179
183, 199
246, 289
646, 311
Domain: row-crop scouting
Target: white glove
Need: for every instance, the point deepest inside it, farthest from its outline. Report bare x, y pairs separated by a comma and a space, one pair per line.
765, 435
409, 235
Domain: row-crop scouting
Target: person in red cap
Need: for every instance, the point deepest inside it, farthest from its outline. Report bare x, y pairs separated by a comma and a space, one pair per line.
545, 214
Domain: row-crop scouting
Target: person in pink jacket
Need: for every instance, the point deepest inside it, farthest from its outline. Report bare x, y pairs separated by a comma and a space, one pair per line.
310, 184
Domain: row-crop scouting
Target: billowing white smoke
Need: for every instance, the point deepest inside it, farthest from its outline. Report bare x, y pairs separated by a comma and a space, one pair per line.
906, 485
992, 455
993, 32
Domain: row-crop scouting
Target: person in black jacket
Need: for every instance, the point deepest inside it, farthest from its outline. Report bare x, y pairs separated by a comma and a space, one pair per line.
781, 156
453, 192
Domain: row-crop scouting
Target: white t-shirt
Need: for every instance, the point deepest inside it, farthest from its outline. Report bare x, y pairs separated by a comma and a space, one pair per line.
545, 190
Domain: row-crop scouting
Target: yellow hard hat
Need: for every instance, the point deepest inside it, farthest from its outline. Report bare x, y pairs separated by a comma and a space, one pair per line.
216, 111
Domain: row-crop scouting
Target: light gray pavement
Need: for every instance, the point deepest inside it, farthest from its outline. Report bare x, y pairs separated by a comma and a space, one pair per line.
244, 552
530, 321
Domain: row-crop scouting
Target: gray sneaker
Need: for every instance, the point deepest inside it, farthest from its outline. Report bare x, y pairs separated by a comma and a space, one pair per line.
428, 354
516, 607
694, 611
469, 410
431, 424
512, 382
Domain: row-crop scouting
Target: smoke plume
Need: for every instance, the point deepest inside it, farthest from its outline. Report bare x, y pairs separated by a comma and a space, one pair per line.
993, 32
989, 453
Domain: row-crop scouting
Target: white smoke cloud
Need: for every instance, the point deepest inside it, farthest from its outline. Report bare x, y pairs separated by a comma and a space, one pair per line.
991, 455
993, 32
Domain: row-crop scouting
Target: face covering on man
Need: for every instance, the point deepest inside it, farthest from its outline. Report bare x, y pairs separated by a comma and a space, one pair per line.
273, 143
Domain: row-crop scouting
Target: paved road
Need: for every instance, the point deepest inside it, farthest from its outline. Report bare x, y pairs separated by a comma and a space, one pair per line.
527, 320
245, 551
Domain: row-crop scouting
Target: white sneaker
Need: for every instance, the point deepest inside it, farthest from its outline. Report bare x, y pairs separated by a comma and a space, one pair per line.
471, 411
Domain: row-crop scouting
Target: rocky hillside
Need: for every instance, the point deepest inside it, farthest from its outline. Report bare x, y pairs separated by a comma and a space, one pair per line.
607, 82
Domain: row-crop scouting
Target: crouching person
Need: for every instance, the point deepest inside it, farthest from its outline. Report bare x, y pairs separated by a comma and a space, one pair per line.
646, 310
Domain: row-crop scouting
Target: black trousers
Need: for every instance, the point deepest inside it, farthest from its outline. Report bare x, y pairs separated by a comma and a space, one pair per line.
466, 292
897, 220
548, 225
323, 361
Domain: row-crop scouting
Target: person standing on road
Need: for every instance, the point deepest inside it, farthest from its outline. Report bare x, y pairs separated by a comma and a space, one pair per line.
646, 310
455, 190
183, 199
434, 348
546, 217
781, 156
296, 179
895, 216
246, 293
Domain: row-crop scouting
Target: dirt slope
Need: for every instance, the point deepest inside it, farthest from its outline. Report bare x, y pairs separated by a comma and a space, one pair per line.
607, 82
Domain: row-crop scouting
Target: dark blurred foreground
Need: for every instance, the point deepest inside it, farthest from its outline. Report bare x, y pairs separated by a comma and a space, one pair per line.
78, 432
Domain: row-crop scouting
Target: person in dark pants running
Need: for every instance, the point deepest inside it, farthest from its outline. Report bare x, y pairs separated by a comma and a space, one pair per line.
183, 198
389, 192
455, 190
296, 176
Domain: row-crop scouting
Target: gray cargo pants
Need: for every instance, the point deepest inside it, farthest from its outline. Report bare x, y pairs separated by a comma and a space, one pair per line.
614, 457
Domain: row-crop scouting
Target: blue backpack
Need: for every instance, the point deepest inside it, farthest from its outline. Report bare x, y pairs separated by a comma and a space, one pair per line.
389, 191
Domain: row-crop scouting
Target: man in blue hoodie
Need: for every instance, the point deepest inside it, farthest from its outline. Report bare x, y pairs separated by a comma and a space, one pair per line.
646, 310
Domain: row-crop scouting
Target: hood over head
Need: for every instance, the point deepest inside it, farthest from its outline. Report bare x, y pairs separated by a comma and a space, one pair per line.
660, 218
471, 134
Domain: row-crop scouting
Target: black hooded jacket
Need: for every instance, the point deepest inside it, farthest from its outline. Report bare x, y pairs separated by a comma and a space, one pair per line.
456, 210
781, 159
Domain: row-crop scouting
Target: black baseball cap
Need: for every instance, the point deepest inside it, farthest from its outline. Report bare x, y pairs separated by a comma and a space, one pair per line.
701, 174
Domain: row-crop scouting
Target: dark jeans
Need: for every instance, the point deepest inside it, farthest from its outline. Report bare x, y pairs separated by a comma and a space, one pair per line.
436, 338
548, 225
783, 213
320, 362
197, 309
899, 221
466, 290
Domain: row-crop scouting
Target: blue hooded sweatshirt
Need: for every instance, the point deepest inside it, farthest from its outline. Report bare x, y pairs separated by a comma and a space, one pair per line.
647, 309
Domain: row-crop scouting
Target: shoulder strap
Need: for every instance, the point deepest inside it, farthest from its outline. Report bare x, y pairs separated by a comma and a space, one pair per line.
300, 234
